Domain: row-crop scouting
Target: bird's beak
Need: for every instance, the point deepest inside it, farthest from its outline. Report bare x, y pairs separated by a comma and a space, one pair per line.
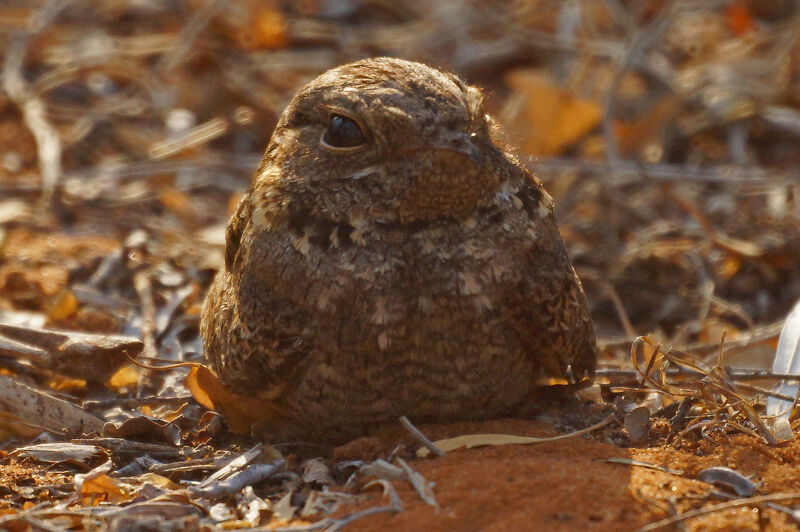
461, 143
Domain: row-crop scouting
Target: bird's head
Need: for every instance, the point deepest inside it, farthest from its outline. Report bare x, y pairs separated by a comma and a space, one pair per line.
386, 140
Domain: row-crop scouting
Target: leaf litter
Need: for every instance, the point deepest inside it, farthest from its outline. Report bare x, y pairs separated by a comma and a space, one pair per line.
129, 130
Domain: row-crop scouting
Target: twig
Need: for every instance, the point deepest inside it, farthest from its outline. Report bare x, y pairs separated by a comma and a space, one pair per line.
144, 288
420, 437
253, 474
625, 171
121, 445
48, 142
200, 134
189, 34
346, 520
331, 525
423, 488
716, 508
734, 373
636, 51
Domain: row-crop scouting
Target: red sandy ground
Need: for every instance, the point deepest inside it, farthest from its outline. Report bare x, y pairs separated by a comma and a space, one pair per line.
568, 485
563, 485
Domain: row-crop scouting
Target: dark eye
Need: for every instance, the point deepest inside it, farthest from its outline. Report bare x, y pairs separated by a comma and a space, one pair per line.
342, 132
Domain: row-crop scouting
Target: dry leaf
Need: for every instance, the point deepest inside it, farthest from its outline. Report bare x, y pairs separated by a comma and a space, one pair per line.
283, 510
39, 408
639, 463
124, 377
202, 383
423, 488
96, 486
66, 384
738, 17
144, 426
56, 453
637, 423
156, 480
644, 138
93, 357
178, 202
269, 29
316, 471
65, 306
552, 118
103, 489
241, 412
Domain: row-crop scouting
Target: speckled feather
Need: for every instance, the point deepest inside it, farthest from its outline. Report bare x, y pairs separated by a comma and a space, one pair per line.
420, 275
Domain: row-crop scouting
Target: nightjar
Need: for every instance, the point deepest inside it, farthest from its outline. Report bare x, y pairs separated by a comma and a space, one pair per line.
392, 258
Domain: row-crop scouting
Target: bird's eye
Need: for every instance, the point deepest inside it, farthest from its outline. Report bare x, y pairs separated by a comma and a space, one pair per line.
342, 133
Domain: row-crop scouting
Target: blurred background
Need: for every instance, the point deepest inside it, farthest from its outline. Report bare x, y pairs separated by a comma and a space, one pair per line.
667, 131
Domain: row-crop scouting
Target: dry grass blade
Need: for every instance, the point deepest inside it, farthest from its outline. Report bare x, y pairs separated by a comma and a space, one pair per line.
33, 108
479, 440
713, 385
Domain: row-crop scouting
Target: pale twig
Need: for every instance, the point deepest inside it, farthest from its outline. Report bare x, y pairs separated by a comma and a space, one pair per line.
48, 142
620, 308
189, 34
634, 54
420, 437
144, 289
625, 171
331, 525
737, 374
423, 488
346, 520
717, 507
250, 476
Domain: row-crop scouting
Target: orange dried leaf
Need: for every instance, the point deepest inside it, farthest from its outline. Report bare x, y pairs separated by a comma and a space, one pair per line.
644, 137
269, 29
175, 200
103, 489
156, 480
65, 306
730, 266
240, 412
738, 18
553, 118
124, 377
65, 384
200, 385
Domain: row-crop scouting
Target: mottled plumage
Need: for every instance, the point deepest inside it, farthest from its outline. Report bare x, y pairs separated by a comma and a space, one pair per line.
419, 272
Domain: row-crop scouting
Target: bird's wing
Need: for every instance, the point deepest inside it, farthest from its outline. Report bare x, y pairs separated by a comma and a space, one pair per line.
546, 305
234, 230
